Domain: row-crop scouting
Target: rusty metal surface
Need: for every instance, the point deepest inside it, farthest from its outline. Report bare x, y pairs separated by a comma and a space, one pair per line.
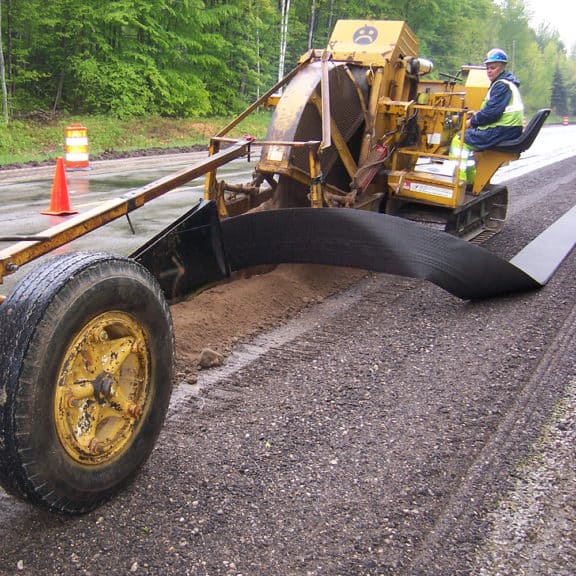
297, 118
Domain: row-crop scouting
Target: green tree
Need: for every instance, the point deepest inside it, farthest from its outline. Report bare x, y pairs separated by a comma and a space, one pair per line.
193, 57
559, 96
5, 114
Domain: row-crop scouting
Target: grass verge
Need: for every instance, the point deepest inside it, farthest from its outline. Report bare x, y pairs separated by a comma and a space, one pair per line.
41, 139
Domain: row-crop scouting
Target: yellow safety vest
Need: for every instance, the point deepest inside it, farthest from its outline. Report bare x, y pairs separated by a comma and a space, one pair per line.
513, 113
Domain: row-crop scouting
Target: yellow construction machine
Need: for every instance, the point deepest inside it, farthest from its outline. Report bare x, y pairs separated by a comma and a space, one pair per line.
355, 125
86, 344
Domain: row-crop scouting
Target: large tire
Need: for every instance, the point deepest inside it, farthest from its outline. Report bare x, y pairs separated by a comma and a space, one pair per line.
86, 365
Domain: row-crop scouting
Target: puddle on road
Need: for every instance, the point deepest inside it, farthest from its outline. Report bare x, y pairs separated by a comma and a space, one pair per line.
20, 211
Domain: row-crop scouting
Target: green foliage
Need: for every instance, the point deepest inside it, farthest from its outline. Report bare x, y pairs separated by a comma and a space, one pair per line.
188, 58
112, 87
559, 96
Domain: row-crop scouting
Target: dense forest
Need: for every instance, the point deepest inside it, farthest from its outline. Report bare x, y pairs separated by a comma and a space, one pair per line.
186, 58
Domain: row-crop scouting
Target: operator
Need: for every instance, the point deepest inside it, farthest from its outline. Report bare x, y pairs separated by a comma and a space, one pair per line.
500, 117
502, 112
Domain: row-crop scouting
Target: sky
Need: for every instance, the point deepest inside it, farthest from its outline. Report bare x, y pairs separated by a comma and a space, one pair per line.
560, 14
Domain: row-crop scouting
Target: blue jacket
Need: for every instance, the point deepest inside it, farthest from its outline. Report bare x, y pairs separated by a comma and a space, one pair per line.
500, 95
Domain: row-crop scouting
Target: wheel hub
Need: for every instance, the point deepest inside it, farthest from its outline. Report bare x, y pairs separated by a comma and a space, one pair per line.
103, 388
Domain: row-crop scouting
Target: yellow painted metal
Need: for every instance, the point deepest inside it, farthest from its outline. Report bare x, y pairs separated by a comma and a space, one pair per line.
476, 86
487, 162
431, 191
103, 388
335, 195
439, 121
471, 89
372, 42
315, 177
370, 134
210, 182
426, 189
412, 118
272, 101
276, 159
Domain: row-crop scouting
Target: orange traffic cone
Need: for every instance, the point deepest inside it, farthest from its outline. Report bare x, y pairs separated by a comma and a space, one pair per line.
59, 201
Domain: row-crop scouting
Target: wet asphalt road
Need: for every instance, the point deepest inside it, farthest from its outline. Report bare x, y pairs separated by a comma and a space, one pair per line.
26, 192
370, 435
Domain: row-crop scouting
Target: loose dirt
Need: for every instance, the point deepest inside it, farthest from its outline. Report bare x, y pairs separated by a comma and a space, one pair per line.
225, 315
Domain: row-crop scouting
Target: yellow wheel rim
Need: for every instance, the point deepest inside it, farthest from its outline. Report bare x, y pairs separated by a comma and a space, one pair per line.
103, 388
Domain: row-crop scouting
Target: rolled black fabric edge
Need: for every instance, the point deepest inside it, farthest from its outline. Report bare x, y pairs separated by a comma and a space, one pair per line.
371, 241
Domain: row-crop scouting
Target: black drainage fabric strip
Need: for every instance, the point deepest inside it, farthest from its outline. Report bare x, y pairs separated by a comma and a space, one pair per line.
544, 254
371, 241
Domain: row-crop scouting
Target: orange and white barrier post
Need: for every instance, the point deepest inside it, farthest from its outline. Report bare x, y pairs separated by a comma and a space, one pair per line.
565, 120
76, 157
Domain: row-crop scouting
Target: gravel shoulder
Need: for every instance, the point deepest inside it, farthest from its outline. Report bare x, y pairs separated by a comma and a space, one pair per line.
533, 528
361, 425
